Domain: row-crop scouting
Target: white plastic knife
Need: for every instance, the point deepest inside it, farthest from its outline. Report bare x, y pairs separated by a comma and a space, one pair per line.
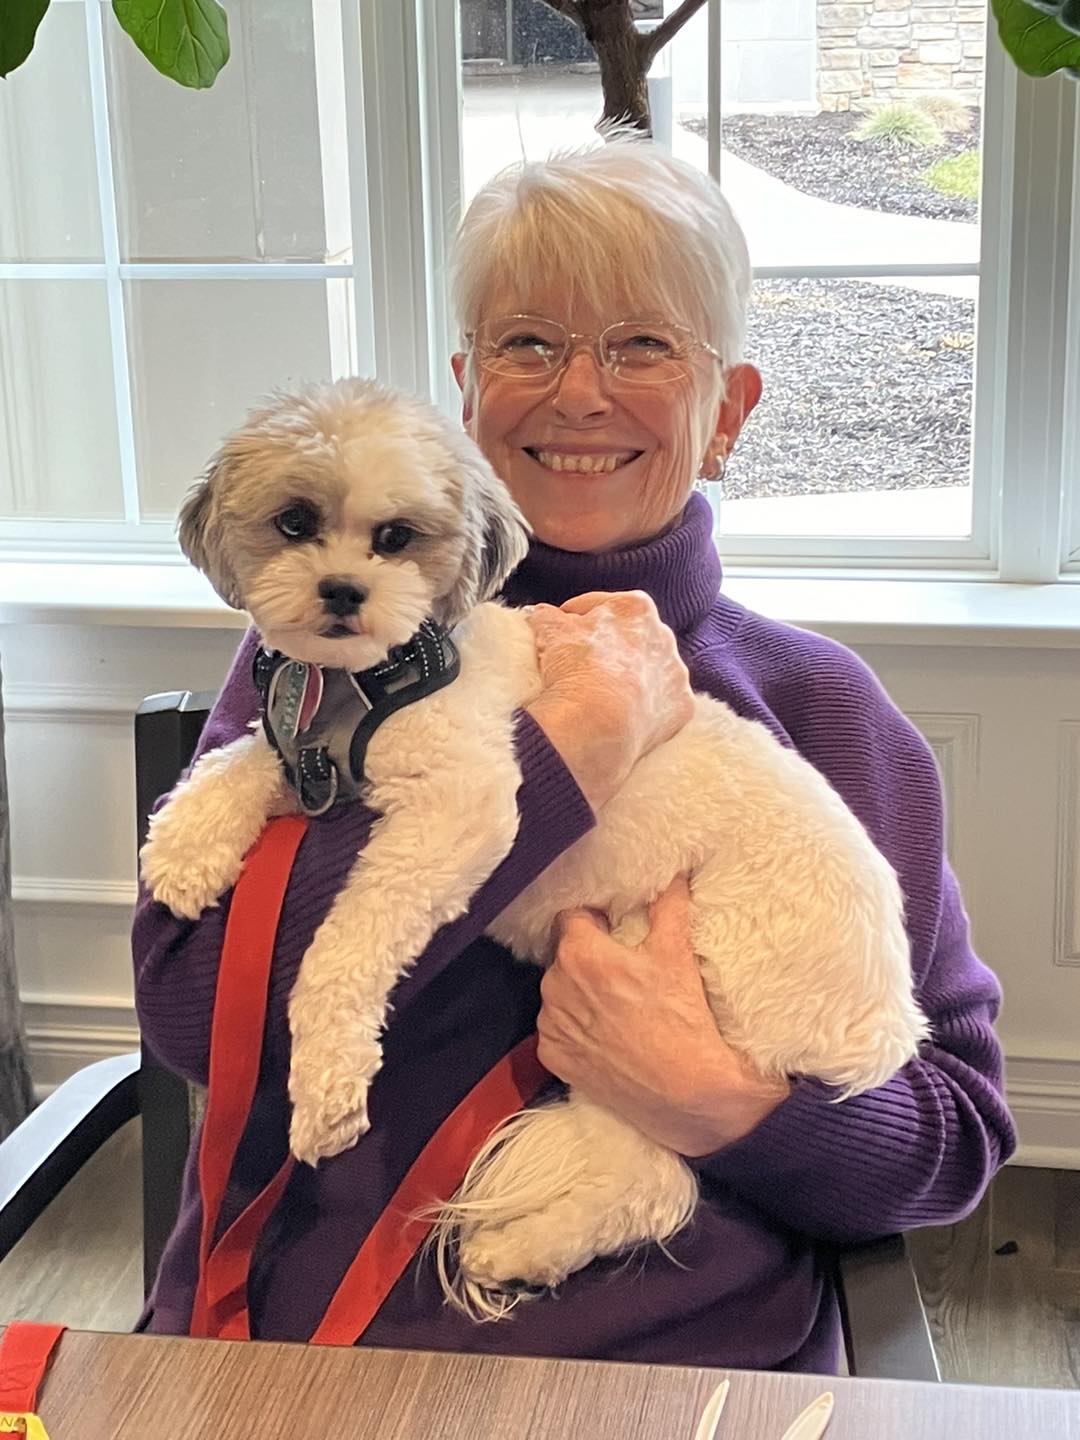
812, 1423
710, 1416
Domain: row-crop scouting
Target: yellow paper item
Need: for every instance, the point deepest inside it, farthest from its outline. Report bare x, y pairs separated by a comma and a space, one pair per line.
26, 1427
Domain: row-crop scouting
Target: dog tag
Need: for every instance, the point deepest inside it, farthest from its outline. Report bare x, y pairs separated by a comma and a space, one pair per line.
296, 692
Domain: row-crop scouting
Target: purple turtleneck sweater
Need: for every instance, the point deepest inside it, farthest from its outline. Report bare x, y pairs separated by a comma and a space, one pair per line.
748, 1283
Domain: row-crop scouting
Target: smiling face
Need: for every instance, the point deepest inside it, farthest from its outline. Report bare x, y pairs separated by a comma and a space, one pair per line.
595, 462
621, 231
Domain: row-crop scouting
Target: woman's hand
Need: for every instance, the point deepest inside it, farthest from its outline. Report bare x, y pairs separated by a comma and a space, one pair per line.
615, 686
632, 1029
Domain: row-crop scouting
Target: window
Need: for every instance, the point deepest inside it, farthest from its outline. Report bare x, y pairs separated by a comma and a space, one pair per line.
197, 249
168, 257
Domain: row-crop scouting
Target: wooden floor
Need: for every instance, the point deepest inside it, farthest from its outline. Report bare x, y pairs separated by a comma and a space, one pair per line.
1002, 1287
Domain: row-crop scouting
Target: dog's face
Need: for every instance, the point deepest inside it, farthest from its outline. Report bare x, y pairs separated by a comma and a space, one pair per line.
343, 516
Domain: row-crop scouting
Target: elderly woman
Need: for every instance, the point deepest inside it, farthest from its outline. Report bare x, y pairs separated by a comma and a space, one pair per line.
602, 301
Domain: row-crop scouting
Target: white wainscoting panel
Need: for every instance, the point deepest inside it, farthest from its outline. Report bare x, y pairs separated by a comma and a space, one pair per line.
64, 1037
70, 696
954, 739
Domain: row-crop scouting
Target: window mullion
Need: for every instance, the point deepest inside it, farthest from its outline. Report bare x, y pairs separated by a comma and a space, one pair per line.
355, 130
1071, 440
440, 90
1033, 475
110, 239
391, 36
714, 90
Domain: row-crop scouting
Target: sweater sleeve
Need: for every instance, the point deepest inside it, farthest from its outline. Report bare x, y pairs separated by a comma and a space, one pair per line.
921, 1149
176, 961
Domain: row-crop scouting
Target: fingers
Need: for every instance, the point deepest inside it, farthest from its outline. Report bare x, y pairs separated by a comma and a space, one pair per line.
669, 918
582, 604
630, 602
549, 626
543, 617
580, 925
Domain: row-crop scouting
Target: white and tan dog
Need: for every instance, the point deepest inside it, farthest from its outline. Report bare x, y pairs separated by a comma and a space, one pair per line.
795, 916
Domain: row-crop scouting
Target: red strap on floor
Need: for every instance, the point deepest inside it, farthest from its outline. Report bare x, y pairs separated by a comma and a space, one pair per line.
434, 1176
237, 1033
24, 1357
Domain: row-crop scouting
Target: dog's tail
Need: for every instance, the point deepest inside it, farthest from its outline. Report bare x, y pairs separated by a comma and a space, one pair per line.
551, 1189
512, 1176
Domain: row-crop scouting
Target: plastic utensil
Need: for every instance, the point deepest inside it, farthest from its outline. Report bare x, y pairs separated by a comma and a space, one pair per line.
812, 1422
710, 1416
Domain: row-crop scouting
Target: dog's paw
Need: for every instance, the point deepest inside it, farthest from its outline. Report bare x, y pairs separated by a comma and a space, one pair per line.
190, 879
329, 1100
522, 1256
318, 1132
186, 891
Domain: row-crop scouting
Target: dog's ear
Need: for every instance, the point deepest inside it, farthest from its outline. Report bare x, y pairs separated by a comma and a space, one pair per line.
200, 532
496, 536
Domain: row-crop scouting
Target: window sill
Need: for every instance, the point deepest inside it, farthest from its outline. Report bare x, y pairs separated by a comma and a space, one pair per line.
917, 609
159, 595
864, 610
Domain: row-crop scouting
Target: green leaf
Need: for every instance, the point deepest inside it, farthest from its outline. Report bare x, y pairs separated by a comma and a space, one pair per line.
187, 40
1035, 40
19, 20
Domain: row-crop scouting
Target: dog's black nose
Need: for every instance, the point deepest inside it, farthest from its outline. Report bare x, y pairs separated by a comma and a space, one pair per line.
341, 595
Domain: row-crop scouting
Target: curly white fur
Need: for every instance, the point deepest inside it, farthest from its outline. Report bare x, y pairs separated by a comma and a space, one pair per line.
796, 917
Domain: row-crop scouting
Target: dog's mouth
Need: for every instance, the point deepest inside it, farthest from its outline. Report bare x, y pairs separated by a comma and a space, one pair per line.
595, 463
341, 630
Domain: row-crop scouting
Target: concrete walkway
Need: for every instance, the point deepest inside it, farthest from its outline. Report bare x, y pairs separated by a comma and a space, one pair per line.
508, 118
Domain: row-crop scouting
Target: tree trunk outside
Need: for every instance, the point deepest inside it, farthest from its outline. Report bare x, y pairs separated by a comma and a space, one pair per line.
16, 1090
609, 29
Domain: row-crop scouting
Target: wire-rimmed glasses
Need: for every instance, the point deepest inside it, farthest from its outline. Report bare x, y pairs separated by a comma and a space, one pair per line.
531, 347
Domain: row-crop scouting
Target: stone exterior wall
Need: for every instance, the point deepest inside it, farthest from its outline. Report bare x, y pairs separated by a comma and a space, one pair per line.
872, 52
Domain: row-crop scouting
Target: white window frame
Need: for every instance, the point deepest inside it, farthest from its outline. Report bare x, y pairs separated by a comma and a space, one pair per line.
403, 115
1020, 453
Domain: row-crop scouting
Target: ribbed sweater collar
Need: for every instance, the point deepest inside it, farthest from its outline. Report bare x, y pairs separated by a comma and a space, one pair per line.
680, 570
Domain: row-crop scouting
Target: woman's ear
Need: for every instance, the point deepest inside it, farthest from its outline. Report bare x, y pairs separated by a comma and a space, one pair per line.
459, 363
742, 391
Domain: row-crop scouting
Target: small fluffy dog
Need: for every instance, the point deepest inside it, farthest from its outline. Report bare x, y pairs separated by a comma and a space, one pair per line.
346, 517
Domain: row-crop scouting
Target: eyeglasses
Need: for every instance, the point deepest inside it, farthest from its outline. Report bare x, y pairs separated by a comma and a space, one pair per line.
528, 347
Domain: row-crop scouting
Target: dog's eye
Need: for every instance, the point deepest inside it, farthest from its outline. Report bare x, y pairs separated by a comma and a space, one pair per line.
389, 539
298, 522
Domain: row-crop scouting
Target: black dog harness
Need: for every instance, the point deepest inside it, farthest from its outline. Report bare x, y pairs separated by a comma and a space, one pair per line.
320, 721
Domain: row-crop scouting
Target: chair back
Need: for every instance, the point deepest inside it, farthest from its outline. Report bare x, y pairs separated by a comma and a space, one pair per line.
167, 730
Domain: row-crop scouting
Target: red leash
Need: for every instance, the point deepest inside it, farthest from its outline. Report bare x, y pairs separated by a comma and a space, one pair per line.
236, 1037
220, 1308
25, 1352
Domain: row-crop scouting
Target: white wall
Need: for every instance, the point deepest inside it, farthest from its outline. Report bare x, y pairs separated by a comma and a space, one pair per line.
1004, 723
768, 57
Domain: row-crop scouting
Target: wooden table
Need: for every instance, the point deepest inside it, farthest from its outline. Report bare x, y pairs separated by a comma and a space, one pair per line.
131, 1387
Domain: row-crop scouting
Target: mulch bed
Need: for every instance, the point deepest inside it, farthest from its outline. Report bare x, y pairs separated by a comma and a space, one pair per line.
819, 155
867, 387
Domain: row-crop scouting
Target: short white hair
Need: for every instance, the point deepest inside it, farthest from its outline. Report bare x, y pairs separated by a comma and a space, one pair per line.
622, 226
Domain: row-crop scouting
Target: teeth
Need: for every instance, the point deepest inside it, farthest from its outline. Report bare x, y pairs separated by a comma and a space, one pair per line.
583, 464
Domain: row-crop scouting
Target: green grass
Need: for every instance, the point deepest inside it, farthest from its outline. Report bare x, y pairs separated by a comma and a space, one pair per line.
900, 125
956, 175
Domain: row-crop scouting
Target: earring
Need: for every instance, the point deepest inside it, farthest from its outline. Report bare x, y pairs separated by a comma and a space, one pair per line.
715, 462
